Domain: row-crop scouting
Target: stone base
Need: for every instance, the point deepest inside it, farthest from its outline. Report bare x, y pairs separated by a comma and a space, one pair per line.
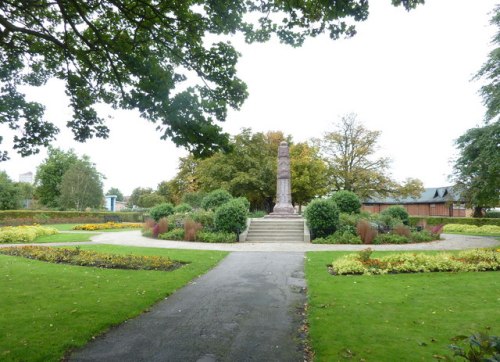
275, 215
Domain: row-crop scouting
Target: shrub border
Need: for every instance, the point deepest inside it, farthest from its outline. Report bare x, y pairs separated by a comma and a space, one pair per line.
20, 217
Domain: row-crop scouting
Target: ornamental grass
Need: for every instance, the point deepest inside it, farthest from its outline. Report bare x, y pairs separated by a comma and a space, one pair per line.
25, 233
108, 226
464, 261
76, 256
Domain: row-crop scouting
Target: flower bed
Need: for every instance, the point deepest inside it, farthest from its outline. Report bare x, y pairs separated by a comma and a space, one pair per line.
80, 257
108, 226
467, 260
24, 234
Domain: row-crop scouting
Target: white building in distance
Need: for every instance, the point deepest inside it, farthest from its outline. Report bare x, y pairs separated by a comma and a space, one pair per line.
26, 177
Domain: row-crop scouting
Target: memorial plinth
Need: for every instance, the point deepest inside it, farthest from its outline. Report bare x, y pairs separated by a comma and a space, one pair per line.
283, 207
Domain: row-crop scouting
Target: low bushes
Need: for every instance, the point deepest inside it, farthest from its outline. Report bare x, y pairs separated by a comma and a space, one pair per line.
216, 237
397, 212
26, 217
215, 199
472, 229
174, 234
492, 214
162, 210
468, 260
183, 208
92, 258
107, 226
339, 237
24, 234
221, 225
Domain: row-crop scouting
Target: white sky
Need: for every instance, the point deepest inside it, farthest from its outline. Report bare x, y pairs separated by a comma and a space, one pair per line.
407, 74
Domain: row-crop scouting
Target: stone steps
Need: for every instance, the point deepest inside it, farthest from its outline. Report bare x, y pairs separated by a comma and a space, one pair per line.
276, 231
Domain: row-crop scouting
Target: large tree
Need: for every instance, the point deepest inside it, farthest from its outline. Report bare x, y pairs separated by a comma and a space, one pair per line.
138, 54
10, 194
49, 175
249, 170
81, 187
490, 71
309, 173
115, 191
477, 169
349, 152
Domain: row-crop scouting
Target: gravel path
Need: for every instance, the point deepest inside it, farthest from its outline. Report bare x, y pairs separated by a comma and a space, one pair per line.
245, 309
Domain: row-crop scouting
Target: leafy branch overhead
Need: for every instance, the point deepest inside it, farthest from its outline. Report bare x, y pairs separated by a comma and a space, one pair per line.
138, 55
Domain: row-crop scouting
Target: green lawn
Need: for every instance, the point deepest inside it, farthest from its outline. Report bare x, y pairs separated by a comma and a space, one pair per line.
48, 309
63, 227
404, 317
64, 238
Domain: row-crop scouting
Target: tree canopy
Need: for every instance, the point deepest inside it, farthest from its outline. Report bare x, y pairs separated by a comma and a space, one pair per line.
81, 187
490, 71
349, 152
138, 55
477, 169
115, 191
10, 194
49, 175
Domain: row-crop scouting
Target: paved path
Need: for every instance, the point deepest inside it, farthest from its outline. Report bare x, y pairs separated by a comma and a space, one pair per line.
243, 310
134, 238
450, 242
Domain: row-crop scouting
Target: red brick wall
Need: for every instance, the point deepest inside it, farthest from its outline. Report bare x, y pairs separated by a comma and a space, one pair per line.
420, 209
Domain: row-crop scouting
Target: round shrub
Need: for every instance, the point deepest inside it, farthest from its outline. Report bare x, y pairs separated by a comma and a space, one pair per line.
322, 217
244, 201
162, 210
231, 217
205, 218
215, 199
397, 212
183, 208
347, 201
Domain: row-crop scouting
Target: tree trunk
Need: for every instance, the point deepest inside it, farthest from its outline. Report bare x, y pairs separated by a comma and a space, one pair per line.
478, 211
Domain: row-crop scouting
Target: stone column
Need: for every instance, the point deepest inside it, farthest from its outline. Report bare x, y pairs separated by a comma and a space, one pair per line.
283, 205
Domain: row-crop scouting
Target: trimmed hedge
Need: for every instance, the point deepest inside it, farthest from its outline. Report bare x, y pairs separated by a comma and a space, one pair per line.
24, 217
437, 220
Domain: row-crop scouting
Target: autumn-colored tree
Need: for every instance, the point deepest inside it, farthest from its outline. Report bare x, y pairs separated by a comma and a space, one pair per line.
309, 173
349, 152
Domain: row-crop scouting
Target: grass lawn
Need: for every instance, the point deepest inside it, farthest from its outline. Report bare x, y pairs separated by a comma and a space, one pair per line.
64, 238
403, 317
48, 309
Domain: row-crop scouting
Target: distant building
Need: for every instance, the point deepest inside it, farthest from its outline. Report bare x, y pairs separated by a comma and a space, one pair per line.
434, 201
26, 177
111, 202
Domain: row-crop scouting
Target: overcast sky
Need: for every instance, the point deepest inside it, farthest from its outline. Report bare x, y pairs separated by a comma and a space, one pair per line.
407, 74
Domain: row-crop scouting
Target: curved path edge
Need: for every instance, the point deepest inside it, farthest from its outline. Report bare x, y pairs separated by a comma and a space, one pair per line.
449, 242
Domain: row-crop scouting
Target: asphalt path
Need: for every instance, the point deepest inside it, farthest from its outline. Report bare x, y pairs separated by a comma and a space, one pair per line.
245, 309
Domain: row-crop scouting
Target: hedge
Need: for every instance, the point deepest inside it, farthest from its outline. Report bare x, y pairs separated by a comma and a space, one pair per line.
436, 220
27, 217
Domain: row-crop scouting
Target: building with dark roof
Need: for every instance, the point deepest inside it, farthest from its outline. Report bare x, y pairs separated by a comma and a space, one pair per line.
433, 201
